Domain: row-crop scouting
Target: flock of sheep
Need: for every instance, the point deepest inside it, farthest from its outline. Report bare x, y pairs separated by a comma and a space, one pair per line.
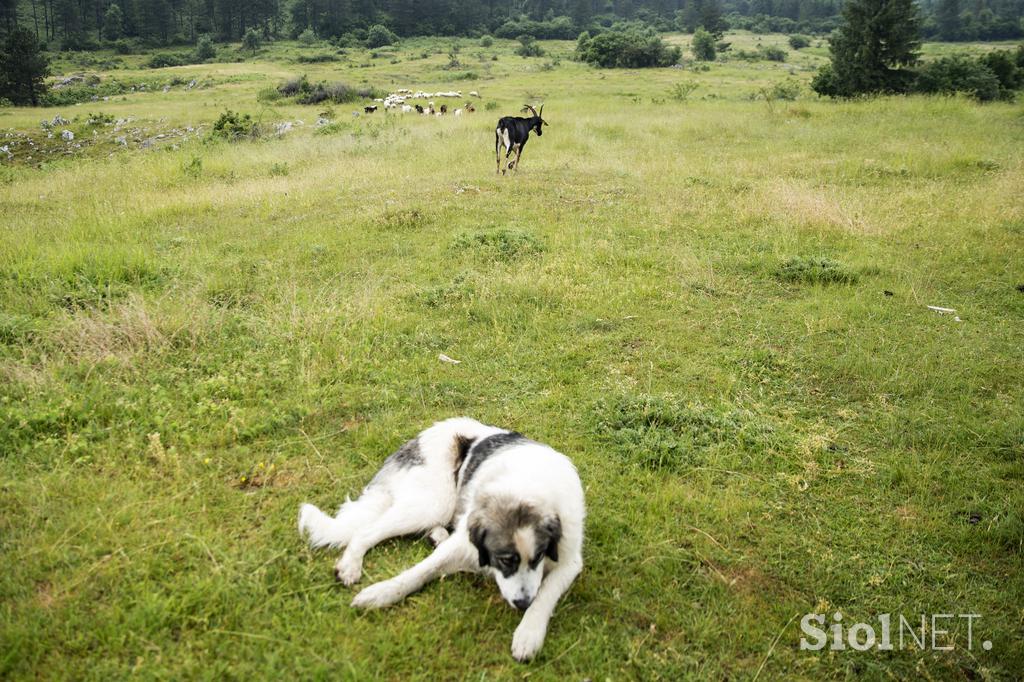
397, 100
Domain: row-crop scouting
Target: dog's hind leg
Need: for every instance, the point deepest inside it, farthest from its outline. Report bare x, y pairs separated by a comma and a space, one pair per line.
437, 535
454, 554
337, 531
397, 520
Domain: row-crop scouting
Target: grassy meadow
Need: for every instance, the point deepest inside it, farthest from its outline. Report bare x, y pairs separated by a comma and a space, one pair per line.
715, 304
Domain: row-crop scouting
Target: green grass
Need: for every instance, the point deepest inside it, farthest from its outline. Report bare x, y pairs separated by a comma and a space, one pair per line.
688, 298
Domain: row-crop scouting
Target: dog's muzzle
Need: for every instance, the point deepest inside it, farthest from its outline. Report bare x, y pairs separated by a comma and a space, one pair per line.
522, 603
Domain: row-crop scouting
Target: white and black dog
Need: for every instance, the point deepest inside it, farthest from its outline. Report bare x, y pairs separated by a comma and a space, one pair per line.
490, 499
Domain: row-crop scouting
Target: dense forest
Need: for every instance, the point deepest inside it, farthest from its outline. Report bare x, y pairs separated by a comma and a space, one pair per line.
85, 24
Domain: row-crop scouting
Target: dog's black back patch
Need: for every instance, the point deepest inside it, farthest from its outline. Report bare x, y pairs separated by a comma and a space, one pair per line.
407, 456
485, 447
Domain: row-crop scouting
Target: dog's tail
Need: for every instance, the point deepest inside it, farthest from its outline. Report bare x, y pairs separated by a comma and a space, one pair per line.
337, 531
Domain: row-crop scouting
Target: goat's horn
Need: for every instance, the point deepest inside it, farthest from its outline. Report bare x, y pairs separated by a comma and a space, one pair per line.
532, 110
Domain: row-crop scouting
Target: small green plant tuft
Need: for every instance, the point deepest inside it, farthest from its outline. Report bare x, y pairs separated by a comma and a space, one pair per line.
401, 220
504, 245
810, 270
666, 434
193, 168
681, 91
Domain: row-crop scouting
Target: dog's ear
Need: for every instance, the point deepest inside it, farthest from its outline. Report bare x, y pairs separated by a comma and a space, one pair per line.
477, 535
551, 529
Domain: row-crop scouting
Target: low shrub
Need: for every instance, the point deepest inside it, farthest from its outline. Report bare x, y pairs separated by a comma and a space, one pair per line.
958, 73
558, 28
629, 48
316, 58
305, 92
788, 89
680, 92
293, 86
703, 46
379, 35
124, 46
164, 59
205, 49
799, 42
233, 126
529, 47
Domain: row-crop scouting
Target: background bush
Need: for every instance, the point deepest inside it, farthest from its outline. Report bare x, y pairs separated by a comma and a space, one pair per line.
958, 73
529, 47
305, 92
703, 45
164, 59
378, 35
233, 126
629, 48
205, 49
799, 42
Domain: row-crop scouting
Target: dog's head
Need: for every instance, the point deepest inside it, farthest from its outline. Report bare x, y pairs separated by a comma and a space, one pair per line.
513, 539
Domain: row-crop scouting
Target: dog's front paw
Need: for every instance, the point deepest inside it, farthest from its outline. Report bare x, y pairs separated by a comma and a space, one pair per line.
377, 596
527, 641
348, 572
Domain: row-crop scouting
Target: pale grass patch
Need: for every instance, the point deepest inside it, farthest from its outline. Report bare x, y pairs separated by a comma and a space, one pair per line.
812, 207
130, 328
20, 372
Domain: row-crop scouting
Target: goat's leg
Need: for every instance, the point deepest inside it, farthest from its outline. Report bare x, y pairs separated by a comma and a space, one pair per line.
519, 154
497, 149
510, 165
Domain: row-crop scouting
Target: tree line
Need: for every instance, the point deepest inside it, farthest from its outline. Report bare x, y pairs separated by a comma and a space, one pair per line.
876, 50
85, 24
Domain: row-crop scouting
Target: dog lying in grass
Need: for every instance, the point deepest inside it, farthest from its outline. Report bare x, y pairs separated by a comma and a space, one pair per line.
491, 500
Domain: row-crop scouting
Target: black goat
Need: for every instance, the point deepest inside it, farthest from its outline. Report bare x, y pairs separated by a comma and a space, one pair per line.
513, 132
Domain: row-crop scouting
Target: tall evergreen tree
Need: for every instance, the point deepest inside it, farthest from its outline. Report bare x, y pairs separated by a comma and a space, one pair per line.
23, 66
251, 40
8, 15
876, 39
113, 22
947, 19
711, 18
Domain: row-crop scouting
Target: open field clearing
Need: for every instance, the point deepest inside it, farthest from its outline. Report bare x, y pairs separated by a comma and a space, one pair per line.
716, 305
